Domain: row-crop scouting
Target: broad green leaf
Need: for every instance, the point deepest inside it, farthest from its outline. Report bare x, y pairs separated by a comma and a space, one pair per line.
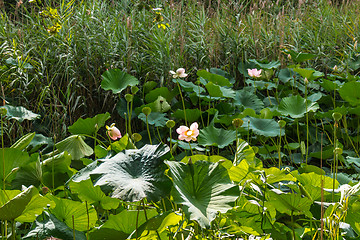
93, 195
12, 159
290, 203
72, 213
248, 99
274, 175
244, 151
270, 65
89, 126
299, 56
212, 158
28, 174
157, 225
60, 162
34, 208
218, 91
192, 115
38, 141
296, 106
211, 136
12, 208
157, 119
203, 189
121, 225
214, 78
189, 86
264, 127
311, 184
162, 91
135, 174
24, 141
48, 225
76, 146
19, 113
350, 93
329, 85
117, 80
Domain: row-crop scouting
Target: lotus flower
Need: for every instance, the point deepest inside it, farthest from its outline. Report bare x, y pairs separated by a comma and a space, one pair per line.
188, 134
113, 132
254, 73
180, 73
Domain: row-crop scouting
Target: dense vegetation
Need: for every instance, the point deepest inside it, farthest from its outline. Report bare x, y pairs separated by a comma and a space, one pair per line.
179, 119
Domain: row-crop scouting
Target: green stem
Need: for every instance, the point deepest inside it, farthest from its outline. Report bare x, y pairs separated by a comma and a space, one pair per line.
73, 222
279, 150
13, 230
147, 128
191, 149
88, 221
182, 100
3, 150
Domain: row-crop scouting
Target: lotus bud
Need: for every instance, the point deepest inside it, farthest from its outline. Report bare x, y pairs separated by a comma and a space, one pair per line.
306, 81
44, 190
281, 123
3, 111
338, 151
337, 116
146, 111
136, 137
134, 89
170, 123
237, 122
129, 97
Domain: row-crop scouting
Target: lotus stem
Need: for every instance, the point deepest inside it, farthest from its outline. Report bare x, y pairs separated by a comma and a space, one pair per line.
182, 100
147, 128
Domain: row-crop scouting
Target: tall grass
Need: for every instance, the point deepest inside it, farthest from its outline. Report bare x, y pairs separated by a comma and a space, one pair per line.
64, 83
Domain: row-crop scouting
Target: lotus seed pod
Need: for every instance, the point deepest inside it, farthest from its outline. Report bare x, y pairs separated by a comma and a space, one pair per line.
134, 89
282, 123
338, 151
237, 122
129, 97
146, 111
3, 111
136, 137
170, 123
337, 116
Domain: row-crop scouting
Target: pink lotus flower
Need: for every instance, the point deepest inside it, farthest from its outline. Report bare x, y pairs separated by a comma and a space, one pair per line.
254, 73
188, 134
180, 73
113, 132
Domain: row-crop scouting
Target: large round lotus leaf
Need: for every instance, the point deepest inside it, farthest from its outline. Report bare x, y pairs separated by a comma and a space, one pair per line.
189, 86
350, 92
19, 113
203, 188
80, 215
120, 226
24, 141
89, 126
264, 127
214, 78
135, 174
48, 225
211, 136
270, 65
76, 146
21, 206
117, 80
157, 119
93, 195
192, 115
218, 91
296, 106
248, 99
11, 159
